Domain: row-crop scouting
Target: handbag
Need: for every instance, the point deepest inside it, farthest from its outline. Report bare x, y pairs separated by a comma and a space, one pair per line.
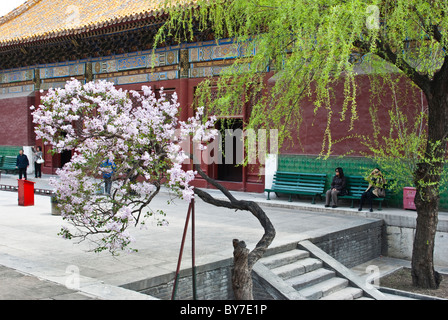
40, 160
380, 192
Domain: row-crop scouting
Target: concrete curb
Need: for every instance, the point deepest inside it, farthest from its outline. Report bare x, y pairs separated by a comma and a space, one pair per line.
408, 294
92, 287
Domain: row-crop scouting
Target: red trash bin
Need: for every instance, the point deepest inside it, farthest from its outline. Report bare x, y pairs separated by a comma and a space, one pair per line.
26, 193
408, 198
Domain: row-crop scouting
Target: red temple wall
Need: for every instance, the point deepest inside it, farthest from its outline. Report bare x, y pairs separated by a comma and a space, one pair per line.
16, 127
311, 135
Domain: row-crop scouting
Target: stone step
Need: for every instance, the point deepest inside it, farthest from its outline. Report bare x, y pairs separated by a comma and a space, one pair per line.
348, 293
310, 278
297, 268
324, 288
284, 258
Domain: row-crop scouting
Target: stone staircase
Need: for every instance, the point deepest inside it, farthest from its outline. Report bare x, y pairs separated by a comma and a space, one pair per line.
311, 277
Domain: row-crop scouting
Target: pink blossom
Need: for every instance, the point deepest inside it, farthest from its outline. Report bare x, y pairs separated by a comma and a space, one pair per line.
99, 122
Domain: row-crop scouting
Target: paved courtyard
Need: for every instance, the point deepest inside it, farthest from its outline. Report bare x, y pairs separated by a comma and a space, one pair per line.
29, 243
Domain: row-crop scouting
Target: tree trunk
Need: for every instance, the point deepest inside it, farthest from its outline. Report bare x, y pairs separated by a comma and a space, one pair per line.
242, 275
427, 182
243, 259
427, 204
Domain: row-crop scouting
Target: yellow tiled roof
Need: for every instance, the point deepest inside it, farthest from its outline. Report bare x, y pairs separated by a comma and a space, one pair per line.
44, 19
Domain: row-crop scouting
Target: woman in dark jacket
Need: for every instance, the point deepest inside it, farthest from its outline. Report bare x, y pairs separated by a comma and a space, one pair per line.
337, 188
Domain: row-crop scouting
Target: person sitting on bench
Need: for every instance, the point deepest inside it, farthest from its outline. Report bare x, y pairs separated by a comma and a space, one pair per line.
376, 184
337, 188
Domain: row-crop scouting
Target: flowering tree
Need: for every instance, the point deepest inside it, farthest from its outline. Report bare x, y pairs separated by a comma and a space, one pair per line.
138, 133
138, 139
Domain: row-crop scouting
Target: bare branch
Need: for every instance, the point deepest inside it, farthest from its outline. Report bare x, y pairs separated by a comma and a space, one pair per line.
245, 205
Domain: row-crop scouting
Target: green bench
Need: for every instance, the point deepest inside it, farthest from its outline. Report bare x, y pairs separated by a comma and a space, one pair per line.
356, 186
8, 163
308, 184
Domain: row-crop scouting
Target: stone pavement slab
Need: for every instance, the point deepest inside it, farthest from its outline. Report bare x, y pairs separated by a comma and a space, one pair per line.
15, 285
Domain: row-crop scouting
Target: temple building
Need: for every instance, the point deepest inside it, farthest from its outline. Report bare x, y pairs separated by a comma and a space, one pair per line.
44, 43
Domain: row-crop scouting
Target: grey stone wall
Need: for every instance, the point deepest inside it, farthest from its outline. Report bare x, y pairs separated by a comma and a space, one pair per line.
210, 285
213, 282
400, 240
353, 246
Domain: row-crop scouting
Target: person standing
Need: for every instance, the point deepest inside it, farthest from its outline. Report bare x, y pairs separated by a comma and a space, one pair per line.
38, 162
108, 171
22, 163
337, 188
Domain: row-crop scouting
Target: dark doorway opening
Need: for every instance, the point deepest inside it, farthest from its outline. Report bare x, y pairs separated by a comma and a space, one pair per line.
230, 168
66, 156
